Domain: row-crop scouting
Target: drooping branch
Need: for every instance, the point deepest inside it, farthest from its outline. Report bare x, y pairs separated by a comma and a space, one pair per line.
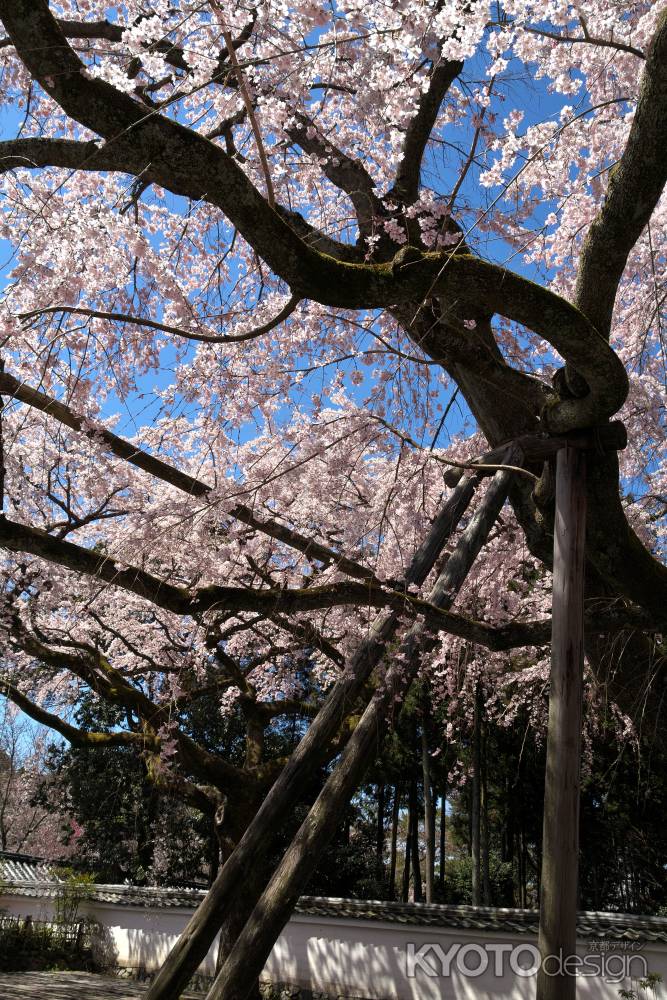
121, 157
77, 737
180, 480
201, 797
91, 666
152, 324
18, 537
22, 538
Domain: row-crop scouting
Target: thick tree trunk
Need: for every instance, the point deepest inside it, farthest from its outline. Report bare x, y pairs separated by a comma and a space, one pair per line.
507, 844
230, 883
560, 841
234, 923
281, 895
395, 812
429, 811
475, 802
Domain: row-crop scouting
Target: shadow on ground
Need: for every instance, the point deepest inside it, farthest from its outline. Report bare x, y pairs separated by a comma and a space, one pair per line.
71, 986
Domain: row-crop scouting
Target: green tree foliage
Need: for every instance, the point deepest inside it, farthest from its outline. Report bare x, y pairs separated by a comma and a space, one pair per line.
624, 837
122, 827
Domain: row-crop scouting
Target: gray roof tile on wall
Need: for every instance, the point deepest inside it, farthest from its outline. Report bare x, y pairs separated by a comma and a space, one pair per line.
25, 867
33, 878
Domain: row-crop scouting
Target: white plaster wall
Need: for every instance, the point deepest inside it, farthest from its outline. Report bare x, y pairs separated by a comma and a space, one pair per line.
369, 959
143, 936
138, 937
354, 958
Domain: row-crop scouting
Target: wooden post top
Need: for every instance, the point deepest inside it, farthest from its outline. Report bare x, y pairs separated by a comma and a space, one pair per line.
536, 448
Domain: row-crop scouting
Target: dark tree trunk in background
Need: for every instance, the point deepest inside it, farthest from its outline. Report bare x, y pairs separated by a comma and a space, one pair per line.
379, 842
429, 810
475, 802
560, 841
521, 866
407, 855
507, 848
443, 825
524, 865
414, 843
484, 820
443, 843
395, 813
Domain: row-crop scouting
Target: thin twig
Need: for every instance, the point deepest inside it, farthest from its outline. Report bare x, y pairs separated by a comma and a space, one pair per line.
470, 159
587, 39
247, 100
449, 461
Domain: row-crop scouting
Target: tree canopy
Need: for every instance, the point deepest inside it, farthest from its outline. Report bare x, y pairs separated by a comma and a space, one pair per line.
289, 279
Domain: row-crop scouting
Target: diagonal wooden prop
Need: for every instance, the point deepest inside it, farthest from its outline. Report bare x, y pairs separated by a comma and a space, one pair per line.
232, 880
252, 948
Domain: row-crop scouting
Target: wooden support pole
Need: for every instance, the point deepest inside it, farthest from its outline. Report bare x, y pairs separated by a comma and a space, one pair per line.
560, 845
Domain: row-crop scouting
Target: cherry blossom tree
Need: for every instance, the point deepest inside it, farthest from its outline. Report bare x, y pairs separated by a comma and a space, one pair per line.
26, 827
279, 273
